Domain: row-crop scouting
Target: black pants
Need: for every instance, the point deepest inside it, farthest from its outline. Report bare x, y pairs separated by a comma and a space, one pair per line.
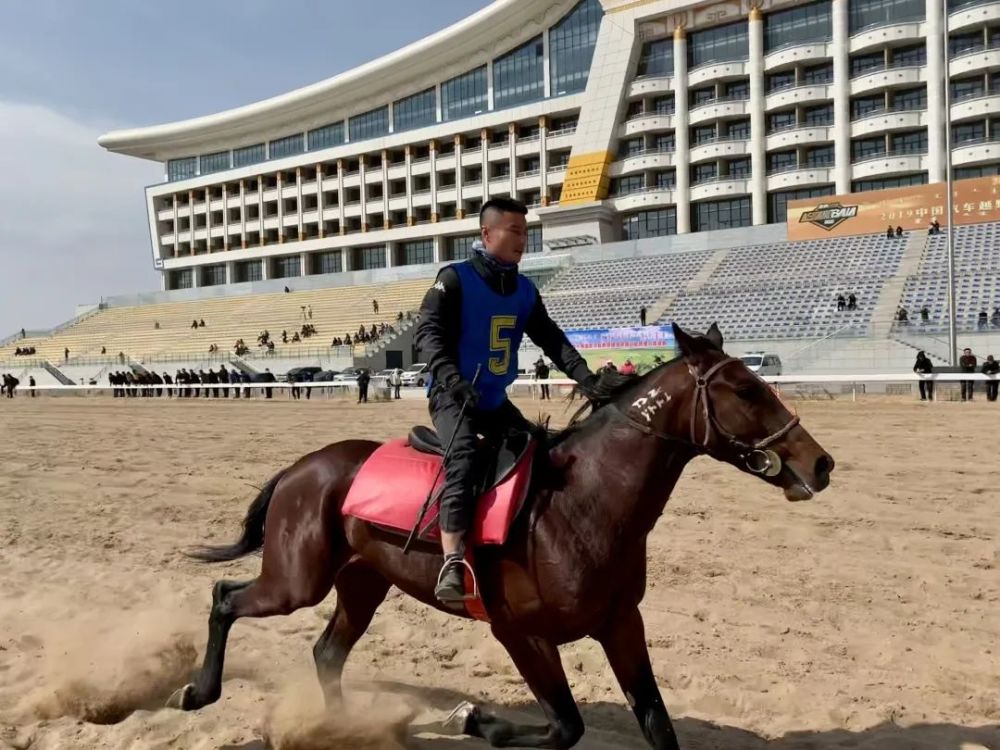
396, 389
992, 386
545, 393
458, 500
363, 393
967, 387
926, 390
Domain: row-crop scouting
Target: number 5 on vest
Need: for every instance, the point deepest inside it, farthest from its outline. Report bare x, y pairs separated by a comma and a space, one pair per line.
499, 343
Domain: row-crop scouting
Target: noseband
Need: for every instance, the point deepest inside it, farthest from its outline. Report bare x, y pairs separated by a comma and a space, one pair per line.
756, 456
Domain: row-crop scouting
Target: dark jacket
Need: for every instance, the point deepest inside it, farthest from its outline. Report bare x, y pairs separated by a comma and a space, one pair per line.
923, 365
967, 362
991, 368
440, 312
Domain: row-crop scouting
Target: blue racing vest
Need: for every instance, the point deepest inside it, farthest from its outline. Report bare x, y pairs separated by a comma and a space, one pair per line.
492, 327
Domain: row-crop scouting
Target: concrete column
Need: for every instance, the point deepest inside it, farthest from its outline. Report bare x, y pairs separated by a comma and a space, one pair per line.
489, 85
758, 121
260, 209
340, 196
841, 98
546, 64
409, 185
439, 114
177, 227
319, 199
459, 179
281, 209
392, 118
682, 136
191, 217
362, 172
937, 119
195, 277
386, 218
243, 214
438, 248
208, 218
390, 248
230, 272
435, 209
298, 201
484, 138
543, 158
512, 145
303, 264
225, 219
265, 269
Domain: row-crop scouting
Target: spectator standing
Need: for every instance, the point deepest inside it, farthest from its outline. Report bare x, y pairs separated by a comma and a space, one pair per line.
924, 366
642, 315
31, 384
268, 377
967, 363
990, 367
363, 379
852, 301
899, 231
375, 306
981, 322
542, 373
841, 303
925, 314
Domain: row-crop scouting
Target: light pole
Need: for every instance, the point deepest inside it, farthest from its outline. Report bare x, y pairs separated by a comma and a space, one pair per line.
952, 314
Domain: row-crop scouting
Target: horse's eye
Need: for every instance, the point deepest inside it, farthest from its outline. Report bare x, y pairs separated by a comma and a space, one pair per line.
748, 393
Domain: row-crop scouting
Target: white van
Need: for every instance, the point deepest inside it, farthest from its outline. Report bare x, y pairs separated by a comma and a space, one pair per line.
416, 374
762, 364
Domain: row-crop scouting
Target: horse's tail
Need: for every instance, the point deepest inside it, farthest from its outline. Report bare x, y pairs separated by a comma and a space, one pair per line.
253, 530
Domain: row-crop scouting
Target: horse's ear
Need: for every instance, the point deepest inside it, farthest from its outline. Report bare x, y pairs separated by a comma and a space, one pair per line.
715, 336
685, 341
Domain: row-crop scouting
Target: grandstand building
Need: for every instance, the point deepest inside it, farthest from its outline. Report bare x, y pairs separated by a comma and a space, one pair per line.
612, 119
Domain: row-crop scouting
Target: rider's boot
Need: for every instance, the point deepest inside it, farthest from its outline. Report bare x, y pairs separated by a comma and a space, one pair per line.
451, 580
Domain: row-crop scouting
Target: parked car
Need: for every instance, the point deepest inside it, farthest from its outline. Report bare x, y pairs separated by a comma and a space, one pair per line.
416, 374
762, 363
298, 373
325, 376
350, 375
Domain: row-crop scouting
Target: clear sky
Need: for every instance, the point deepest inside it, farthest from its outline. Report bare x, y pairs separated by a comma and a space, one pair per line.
72, 217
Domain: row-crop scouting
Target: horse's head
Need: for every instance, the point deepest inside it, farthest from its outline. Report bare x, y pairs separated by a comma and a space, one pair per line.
721, 408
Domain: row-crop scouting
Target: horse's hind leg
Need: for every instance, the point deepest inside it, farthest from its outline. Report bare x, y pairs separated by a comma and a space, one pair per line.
360, 591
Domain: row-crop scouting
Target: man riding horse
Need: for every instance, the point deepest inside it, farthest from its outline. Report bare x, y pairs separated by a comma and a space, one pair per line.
471, 321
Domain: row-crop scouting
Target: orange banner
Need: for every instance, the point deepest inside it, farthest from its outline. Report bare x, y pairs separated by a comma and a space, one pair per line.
976, 201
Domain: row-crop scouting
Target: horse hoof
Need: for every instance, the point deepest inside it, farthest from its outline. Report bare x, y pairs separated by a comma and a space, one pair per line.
460, 717
179, 698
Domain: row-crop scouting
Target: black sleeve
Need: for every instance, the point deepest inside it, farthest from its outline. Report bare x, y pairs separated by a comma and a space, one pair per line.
550, 338
437, 332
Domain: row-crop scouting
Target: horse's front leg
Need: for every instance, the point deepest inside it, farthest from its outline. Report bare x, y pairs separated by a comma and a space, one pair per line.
538, 662
624, 642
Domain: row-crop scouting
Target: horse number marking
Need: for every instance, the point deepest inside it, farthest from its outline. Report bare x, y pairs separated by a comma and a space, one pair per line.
651, 403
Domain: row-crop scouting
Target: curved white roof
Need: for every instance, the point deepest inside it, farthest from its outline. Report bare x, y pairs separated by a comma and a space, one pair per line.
499, 27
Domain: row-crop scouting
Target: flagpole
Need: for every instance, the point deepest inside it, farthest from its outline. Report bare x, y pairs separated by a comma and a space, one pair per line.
952, 313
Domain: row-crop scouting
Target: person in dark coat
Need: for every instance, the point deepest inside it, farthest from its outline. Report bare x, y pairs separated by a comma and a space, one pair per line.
168, 381
924, 366
967, 363
268, 377
363, 379
31, 384
990, 367
542, 373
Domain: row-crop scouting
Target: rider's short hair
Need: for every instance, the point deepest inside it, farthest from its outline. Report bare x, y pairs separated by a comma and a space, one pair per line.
503, 206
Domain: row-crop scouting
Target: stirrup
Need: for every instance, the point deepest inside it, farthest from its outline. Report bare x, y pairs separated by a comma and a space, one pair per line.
467, 597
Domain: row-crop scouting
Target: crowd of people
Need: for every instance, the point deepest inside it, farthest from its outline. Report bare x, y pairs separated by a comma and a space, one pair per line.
24, 351
984, 321
850, 302
967, 363
129, 384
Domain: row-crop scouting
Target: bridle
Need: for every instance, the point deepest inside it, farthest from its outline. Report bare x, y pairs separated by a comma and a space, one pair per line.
756, 456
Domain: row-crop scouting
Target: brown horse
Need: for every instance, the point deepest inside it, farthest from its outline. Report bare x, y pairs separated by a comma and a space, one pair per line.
574, 564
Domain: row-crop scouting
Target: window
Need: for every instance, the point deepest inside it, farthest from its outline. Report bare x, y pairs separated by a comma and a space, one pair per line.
910, 99
287, 146
995, 83
704, 173
808, 23
664, 142
909, 56
701, 96
867, 147
243, 157
216, 162
820, 115
664, 105
415, 111
870, 13
666, 179
657, 58
725, 214
782, 161
571, 47
518, 76
416, 252
328, 262
960, 44
182, 279
721, 44
968, 88
867, 104
249, 270
460, 248
287, 267
966, 173
909, 143
326, 136
776, 81
970, 131
631, 147
657, 223
738, 90
181, 169
861, 64
626, 185
366, 258
465, 95
739, 168
371, 124
533, 243
213, 275
781, 121
861, 186
739, 130
818, 74
820, 156
702, 134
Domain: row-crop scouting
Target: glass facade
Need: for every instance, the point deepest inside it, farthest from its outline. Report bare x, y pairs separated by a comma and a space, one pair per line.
820, 156
249, 270
326, 136
571, 47
519, 76
415, 111
369, 257
818, 74
182, 279
213, 275
909, 56
739, 168
821, 115
460, 248
968, 88
248, 155
181, 169
534, 240
465, 95
287, 267
217, 162
780, 121
969, 131
739, 130
626, 185
775, 81
909, 143
866, 148
861, 186
721, 44
861, 64
328, 262
782, 161
777, 203
416, 252
910, 99
657, 58
871, 13
656, 223
725, 214
807, 23
866, 105
373, 124
290, 145
704, 173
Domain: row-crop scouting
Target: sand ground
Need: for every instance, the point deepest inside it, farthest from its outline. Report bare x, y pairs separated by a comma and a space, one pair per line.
867, 618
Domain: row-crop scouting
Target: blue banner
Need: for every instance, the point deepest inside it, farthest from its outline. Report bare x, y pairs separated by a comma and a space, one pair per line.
637, 337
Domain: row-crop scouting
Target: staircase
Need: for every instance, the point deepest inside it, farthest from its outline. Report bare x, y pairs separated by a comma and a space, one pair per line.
705, 273
884, 314
54, 372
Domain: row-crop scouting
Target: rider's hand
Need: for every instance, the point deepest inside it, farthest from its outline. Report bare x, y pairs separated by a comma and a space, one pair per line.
588, 386
464, 393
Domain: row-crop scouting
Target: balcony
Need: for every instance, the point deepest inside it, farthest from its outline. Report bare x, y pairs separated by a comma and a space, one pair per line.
886, 32
645, 124
651, 196
718, 108
975, 107
975, 59
719, 147
650, 158
883, 120
715, 71
973, 15
888, 164
797, 135
720, 187
647, 85
884, 77
798, 53
968, 153
810, 93
524, 148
